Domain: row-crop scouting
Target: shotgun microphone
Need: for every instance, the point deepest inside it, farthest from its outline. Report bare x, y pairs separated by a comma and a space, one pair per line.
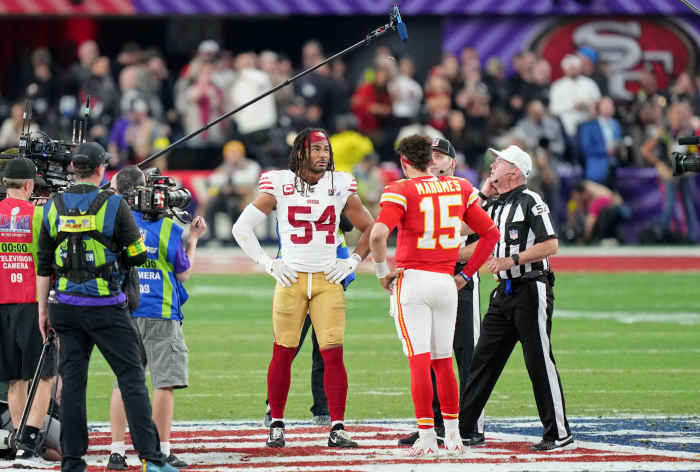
400, 25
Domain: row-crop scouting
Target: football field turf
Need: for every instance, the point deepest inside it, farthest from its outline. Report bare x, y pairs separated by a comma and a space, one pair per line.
625, 343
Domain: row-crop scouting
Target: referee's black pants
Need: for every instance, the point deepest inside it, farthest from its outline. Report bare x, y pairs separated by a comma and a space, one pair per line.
524, 315
79, 329
466, 332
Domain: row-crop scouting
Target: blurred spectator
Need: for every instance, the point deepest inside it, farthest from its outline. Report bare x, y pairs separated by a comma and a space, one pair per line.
594, 213
657, 151
12, 126
600, 143
104, 100
163, 88
270, 64
254, 122
573, 96
132, 137
231, 187
406, 94
369, 182
422, 126
438, 99
201, 103
523, 63
451, 70
131, 54
135, 83
538, 87
80, 71
589, 68
372, 106
349, 146
540, 129
223, 75
44, 88
683, 89
206, 52
317, 87
497, 83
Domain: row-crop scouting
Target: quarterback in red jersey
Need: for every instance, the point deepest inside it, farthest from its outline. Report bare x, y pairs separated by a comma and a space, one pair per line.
429, 212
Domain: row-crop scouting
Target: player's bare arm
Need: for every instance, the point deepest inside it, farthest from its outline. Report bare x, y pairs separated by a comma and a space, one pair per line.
377, 243
361, 219
536, 253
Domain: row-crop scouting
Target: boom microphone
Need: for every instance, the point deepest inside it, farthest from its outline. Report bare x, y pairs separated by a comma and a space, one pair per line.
400, 25
689, 140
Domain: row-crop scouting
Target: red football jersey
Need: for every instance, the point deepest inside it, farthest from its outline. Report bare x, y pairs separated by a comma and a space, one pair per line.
428, 212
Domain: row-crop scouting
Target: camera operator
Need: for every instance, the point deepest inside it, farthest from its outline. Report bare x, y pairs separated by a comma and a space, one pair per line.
19, 328
88, 239
158, 318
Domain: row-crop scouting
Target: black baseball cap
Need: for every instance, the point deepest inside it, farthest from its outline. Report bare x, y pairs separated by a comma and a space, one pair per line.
444, 146
90, 155
20, 168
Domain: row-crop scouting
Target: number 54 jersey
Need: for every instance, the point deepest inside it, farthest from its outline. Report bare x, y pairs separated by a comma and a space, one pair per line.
428, 212
308, 223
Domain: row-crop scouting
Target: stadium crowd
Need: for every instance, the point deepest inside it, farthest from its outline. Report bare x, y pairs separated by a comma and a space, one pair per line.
140, 105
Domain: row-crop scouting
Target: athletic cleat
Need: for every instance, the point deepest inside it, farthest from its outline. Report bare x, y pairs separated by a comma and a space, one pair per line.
153, 467
321, 420
424, 451
409, 440
176, 461
276, 438
453, 444
474, 440
340, 438
549, 445
31, 460
117, 462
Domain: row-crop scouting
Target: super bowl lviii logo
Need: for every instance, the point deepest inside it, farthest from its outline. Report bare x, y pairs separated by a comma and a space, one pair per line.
625, 46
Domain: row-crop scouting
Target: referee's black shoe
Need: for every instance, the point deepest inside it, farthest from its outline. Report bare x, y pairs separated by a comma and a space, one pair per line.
473, 439
276, 438
549, 444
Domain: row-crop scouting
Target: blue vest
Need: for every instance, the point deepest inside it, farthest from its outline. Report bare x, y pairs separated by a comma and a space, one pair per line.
96, 253
162, 295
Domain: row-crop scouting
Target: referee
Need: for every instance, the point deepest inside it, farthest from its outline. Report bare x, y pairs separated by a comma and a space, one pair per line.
467, 323
521, 305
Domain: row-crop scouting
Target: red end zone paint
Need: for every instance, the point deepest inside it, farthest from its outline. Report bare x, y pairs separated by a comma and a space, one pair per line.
624, 263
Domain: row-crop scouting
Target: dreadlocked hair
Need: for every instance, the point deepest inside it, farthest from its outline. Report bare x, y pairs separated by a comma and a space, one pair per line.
301, 150
417, 150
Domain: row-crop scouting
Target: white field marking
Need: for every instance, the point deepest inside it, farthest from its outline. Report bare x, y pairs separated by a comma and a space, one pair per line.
625, 371
626, 351
628, 317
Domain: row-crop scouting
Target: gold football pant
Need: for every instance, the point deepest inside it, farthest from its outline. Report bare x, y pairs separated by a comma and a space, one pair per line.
322, 300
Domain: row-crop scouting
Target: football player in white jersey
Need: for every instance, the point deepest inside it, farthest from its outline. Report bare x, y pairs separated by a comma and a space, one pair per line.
309, 198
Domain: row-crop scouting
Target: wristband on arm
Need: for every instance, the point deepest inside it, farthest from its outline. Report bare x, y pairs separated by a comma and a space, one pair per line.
381, 269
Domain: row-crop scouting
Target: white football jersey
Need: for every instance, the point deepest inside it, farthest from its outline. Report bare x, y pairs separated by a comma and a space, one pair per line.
308, 224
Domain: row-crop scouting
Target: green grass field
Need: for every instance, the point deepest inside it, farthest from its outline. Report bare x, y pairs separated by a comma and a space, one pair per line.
625, 344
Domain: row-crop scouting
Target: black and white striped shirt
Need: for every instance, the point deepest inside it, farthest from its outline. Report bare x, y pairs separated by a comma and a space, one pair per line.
523, 220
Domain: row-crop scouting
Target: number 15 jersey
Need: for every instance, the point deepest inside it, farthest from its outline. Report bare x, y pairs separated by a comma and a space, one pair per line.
428, 212
308, 223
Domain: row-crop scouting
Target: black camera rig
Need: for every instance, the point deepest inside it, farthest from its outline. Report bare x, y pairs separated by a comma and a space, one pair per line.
161, 196
686, 162
52, 157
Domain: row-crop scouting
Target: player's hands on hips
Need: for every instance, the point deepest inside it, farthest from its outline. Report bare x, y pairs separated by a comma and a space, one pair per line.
388, 281
497, 264
284, 274
342, 268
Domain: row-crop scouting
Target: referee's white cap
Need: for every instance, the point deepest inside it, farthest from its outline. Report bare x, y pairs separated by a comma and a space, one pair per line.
517, 157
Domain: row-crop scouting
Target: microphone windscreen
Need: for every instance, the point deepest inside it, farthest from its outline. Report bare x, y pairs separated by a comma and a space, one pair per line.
689, 140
